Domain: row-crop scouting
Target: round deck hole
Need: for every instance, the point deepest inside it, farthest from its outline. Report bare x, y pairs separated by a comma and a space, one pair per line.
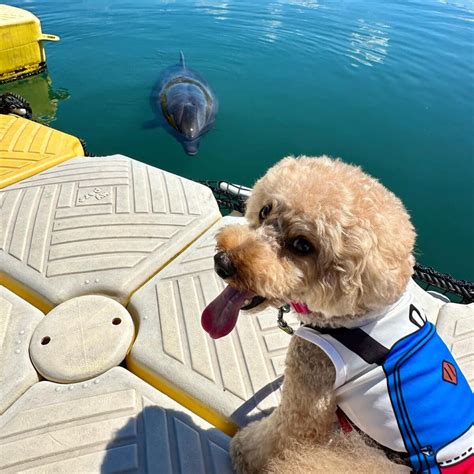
116, 321
45, 340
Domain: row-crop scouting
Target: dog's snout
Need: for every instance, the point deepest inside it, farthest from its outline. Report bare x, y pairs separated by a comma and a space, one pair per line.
223, 265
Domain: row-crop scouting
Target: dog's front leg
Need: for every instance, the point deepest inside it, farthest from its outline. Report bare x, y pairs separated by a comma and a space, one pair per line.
306, 411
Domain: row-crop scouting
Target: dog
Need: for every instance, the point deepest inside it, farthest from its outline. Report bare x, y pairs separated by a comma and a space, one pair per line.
368, 386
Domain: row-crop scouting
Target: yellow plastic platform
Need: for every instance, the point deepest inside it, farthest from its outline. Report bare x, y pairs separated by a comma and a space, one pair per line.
27, 148
21, 50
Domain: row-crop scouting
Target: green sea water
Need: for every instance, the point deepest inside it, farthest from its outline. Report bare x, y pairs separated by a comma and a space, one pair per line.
388, 85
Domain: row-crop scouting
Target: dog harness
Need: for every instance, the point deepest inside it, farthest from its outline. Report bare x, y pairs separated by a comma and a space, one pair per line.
398, 382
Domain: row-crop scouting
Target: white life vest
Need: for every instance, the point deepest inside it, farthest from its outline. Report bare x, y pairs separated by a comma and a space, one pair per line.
364, 384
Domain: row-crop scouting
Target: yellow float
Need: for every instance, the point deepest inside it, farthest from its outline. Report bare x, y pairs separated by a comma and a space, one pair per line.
21, 49
27, 148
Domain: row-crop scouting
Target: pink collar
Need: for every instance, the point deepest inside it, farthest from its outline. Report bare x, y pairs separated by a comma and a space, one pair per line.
299, 307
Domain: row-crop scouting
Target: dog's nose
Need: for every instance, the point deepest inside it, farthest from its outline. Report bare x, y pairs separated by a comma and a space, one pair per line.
223, 265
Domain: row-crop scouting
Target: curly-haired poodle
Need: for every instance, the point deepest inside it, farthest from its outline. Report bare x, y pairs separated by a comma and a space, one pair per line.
369, 386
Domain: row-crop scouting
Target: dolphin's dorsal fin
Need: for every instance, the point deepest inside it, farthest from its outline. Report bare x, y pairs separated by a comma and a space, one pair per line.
181, 59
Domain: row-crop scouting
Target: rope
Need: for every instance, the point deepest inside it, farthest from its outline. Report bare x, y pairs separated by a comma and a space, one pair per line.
445, 282
84, 147
230, 197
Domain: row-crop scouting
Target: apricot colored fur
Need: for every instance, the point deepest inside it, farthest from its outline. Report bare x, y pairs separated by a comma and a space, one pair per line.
361, 262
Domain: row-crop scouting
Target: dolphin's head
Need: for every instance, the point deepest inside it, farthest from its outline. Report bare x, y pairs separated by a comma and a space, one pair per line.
186, 111
191, 147
191, 121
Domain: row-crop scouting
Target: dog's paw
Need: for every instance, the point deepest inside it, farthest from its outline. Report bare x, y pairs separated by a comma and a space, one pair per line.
242, 452
237, 454
252, 448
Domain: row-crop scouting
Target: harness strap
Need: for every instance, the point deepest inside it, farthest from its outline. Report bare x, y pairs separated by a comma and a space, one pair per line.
359, 342
344, 423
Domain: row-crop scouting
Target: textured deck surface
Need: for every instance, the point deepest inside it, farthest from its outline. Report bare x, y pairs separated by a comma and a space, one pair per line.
234, 377
27, 148
114, 423
456, 327
18, 320
98, 225
429, 303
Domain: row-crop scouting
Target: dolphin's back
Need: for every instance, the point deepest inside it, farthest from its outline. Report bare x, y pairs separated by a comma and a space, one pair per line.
190, 83
180, 71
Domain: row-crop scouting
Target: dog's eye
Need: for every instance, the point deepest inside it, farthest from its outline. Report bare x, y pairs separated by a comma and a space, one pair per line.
301, 246
263, 214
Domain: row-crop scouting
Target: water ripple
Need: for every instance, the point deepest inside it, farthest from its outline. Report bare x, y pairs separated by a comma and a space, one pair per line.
369, 44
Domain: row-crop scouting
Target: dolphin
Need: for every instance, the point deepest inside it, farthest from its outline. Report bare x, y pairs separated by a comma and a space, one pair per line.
185, 104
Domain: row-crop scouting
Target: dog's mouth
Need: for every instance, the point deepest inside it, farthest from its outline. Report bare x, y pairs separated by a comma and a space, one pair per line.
257, 300
220, 316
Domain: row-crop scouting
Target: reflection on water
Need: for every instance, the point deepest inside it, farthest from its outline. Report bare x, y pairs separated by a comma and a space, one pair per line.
218, 9
39, 92
311, 4
467, 5
369, 44
272, 24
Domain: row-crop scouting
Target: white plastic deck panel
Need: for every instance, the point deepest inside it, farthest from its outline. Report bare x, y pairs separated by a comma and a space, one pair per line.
99, 225
456, 327
113, 423
18, 320
234, 377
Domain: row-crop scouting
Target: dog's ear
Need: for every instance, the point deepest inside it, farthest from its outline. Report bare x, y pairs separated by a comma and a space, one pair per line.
346, 251
370, 273
353, 259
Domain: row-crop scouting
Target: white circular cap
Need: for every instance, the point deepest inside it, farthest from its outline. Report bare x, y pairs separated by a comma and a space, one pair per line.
81, 338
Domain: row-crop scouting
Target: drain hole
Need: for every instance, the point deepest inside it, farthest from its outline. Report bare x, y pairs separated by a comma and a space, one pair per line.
45, 340
116, 321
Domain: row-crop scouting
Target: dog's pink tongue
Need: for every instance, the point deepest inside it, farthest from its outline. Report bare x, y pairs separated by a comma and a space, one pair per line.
220, 316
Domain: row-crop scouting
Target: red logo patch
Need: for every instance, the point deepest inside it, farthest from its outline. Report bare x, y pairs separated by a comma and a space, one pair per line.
449, 373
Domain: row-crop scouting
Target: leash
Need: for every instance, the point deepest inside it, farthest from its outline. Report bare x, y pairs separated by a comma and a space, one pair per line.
282, 324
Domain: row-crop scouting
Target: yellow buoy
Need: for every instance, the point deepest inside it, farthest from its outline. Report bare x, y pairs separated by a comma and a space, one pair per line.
21, 49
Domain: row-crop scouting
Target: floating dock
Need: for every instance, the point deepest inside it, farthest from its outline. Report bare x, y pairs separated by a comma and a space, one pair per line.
106, 264
27, 148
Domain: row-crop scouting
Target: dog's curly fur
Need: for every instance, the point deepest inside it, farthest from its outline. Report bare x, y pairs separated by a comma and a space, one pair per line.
359, 261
